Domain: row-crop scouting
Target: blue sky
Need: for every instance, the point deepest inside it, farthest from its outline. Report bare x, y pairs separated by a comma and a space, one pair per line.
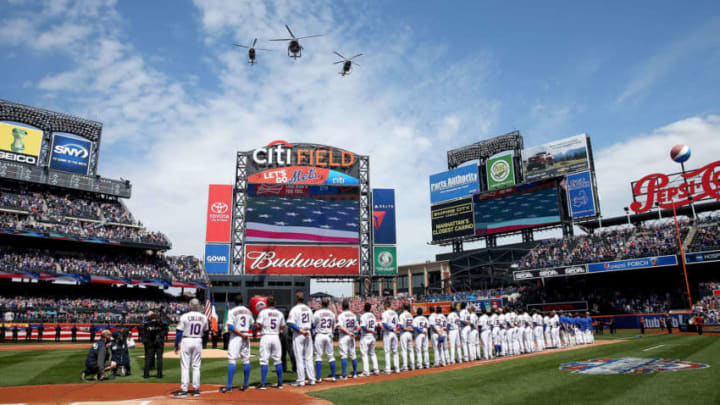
177, 99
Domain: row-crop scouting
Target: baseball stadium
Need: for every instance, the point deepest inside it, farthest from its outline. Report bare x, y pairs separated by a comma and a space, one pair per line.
273, 270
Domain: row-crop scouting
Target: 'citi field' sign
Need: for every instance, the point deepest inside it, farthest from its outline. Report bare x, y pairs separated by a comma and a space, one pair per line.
282, 153
676, 189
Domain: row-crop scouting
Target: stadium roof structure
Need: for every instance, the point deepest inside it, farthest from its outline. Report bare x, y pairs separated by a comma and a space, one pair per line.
595, 223
50, 120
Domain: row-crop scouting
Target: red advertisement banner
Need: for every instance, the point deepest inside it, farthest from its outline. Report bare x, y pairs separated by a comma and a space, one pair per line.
302, 260
219, 213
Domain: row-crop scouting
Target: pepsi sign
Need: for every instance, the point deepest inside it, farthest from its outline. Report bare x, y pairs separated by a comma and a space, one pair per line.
70, 154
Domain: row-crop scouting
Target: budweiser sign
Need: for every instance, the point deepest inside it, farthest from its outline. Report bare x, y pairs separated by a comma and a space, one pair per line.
302, 260
676, 189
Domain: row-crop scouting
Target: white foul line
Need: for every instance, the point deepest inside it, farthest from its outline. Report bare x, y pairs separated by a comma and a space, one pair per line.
651, 348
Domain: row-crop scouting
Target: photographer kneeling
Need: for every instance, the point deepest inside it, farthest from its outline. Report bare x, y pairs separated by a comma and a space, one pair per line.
120, 352
98, 359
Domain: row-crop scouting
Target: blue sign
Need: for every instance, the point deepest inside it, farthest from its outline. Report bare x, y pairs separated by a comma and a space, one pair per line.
703, 257
217, 259
70, 154
456, 183
581, 199
632, 264
384, 216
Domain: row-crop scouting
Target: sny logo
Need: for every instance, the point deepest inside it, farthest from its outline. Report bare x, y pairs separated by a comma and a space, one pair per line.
72, 150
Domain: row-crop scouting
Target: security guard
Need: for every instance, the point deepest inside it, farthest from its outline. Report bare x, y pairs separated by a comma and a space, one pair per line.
154, 341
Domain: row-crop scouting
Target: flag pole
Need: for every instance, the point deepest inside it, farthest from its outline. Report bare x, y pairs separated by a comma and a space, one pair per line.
682, 255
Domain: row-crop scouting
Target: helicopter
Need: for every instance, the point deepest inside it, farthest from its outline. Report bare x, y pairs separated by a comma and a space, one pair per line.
251, 51
347, 63
294, 47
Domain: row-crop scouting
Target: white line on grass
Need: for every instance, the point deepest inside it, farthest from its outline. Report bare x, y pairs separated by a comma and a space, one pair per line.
652, 348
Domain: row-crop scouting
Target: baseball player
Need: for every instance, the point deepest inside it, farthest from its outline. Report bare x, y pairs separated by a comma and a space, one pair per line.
547, 324
406, 338
465, 328
271, 322
444, 320
420, 326
515, 335
453, 327
555, 329
589, 337
239, 324
495, 331
188, 340
528, 332
324, 326
300, 322
474, 336
368, 323
503, 336
436, 332
485, 336
537, 322
390, 323
347, 325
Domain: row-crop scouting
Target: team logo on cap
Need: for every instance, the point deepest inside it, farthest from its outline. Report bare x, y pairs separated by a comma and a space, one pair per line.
629, 365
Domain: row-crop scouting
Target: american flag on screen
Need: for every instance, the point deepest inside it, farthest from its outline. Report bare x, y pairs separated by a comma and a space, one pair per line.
282, 219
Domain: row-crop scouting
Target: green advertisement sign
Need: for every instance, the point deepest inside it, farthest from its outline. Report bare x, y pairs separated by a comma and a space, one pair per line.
500, 172
385, 261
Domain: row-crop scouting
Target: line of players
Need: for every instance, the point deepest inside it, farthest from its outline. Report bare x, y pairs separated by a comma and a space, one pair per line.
461, 336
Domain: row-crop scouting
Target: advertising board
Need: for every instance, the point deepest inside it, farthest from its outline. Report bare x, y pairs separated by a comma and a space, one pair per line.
549, 272
70, 154
519, 207
560, 306
676, 189
283, 154
702, 257
452, 220
219, 213
385, 260
456, 183
500, 172
385, 232
633, 264
306, 260
302, 214
581, 198
303, 175
20, 143
217, 258
557, 158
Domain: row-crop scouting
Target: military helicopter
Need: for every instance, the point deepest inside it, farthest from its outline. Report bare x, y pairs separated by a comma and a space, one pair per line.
347, 63
294, 48
251, 51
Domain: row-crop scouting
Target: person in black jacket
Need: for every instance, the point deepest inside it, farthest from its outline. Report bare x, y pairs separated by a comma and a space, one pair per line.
28, 332
15, 333
154, 332
57, 332
92, 333
2, 332
73, 331
120, 352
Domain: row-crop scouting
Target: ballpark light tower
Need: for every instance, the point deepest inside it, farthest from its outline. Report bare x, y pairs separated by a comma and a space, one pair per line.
680, 154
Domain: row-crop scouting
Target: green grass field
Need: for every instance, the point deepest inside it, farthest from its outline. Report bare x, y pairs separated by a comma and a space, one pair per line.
536, 380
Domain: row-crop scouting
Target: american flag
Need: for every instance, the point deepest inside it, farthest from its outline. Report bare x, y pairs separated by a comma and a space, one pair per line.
517, 211
208, 308
273, 219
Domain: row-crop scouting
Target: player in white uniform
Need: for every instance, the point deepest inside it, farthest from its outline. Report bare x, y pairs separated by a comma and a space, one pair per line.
465, 328
453, 327
271, 322
420, 325
503, 341
188, 340
547, 324
406, 338
495, 331
347, 326
368, 323
474, 336
390, 323
436, 333
537, 321
485, 336
528, 329
515, 335
324, 326
555, 329
239, 324
300, 321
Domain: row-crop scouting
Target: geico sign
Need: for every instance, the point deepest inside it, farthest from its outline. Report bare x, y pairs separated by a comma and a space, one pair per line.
283, 153
18, 158
72, 150
216, 259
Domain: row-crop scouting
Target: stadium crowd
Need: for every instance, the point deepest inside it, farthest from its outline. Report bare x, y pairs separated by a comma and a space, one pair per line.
86, 309
74, 215
180, 268
608, 244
